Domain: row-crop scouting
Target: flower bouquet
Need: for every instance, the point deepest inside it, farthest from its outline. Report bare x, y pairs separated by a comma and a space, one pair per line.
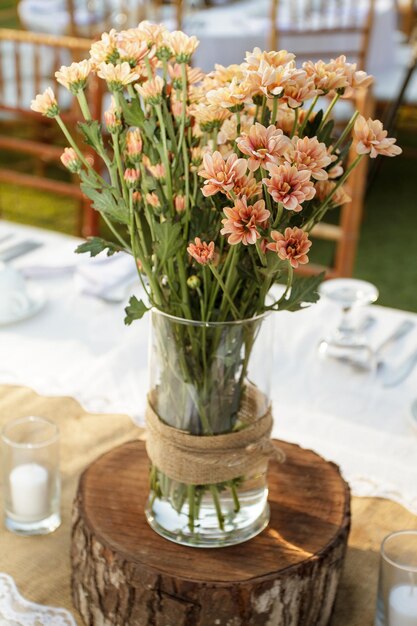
212, 182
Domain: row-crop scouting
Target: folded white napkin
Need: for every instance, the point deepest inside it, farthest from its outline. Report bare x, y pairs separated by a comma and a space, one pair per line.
50, 261
102, 275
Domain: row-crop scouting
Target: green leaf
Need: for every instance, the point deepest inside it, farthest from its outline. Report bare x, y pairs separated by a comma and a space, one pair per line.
132, 112
168, 236
105, 203
95, 245
313, 124
273, 265
303, 291
135, 310
87, 177
92, 134
326, 133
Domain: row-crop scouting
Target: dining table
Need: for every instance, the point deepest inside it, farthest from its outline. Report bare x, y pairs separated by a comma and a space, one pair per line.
74, 360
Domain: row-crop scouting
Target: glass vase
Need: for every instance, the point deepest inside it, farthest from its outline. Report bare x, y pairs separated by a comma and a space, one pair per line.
202, 377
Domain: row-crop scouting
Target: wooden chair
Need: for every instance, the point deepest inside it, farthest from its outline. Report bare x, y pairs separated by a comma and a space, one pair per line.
28, 62
316, 20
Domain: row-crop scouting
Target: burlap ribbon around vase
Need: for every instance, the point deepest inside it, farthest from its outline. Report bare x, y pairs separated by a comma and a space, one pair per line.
201, 460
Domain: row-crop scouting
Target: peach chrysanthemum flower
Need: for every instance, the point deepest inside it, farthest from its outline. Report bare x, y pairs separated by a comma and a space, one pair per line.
151, 91
70, 160
153, 200
231, 96
131, 177
74, 77
193, 74
181, 45
247, 186
263, 145
105, 50
372, 138
297, 91
325, 187
221, 175
157, 170
179, 203
355, 78
273, 80
326, 76
292, 246
228, 131
241, 221
153, 34
209, 117
134, 143
275, 59
223, 75
45, 103
201, 251
117, 76
112, 117
289, 185
132, 46
309, 154
285, 117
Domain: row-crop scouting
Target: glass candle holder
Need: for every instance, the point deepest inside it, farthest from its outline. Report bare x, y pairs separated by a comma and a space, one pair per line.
397, 590
31, 479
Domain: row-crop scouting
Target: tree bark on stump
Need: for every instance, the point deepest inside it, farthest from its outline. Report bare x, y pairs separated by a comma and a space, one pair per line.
124, 574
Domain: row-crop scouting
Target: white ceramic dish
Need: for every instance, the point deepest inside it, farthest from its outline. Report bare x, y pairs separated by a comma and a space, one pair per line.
36, 302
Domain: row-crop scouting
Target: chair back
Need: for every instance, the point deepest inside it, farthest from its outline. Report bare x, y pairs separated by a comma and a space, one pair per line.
28, 62
323, 28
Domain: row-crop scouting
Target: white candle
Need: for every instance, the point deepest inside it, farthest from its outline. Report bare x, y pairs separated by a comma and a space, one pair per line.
29, 491
403, 606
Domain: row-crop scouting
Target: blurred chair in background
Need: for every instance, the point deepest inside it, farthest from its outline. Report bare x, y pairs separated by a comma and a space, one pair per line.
325, 28
28, 62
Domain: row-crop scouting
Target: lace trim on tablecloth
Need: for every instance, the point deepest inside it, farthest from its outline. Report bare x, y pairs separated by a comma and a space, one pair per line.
16, 611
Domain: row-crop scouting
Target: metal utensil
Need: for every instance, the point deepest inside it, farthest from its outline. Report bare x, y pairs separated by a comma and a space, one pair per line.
4, 238
401, 331
19, 249
398, 374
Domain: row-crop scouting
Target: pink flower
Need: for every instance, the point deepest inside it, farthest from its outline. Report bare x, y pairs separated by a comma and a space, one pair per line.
293, 245
134, 143
201, 251
242, 220
309, 154
45, 103
289, 185
70, 160
263, 145
179, 203
131, 177
297, 91
221, 175
112, 117
153, 200
247, 186
372, 139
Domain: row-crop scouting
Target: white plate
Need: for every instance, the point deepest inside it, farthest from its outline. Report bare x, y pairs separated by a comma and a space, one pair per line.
37, 301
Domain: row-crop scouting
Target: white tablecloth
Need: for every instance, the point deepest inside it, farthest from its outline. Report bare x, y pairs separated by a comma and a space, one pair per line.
78, 346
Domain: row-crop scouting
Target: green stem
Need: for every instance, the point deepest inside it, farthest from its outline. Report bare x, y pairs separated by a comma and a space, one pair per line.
234, 496
217, 276
165, 157
307, 117
274, 110
82, 100
328, 111
346, 131
216, 500
294, 127
118, 158
191, 506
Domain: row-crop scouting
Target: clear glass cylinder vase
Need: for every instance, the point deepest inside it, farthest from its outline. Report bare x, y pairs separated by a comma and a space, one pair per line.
203, 378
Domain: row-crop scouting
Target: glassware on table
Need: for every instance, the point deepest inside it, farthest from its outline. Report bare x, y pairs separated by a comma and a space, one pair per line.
397, 587
347, 342
31, 479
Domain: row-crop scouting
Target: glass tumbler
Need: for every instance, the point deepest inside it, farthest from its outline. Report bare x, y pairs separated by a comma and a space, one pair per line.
397, 590
31, 479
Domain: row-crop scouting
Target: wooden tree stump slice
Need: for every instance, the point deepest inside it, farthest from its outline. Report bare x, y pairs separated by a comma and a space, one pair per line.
124, 574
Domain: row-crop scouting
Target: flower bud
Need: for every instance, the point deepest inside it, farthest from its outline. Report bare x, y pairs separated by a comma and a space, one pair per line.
193, 282
131, 177
70, 160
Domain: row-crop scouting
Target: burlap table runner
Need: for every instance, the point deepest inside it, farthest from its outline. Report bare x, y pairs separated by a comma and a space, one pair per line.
40, 565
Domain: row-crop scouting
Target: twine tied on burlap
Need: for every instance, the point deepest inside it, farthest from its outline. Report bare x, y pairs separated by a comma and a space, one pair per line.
202, 460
